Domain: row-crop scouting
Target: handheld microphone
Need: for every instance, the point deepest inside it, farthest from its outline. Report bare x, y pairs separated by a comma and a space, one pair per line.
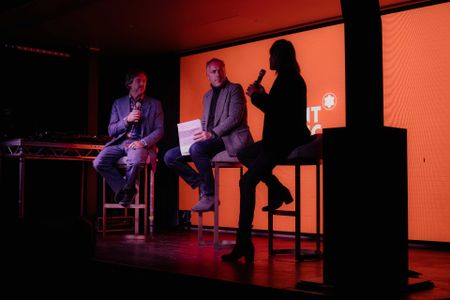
135, 127
261, 74
137, 106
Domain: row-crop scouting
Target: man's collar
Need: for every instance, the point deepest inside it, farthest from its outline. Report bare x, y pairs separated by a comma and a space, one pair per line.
140, 98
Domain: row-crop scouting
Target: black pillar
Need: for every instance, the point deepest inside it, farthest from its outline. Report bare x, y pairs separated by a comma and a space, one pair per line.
365, 173
363, 64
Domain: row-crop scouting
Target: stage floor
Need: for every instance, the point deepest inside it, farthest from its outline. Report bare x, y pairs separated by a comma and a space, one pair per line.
176, 256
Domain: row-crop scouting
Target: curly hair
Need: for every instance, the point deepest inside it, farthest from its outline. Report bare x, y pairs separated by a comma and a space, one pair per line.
131, 74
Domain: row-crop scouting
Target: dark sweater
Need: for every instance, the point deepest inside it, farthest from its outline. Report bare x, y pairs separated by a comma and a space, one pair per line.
284, 113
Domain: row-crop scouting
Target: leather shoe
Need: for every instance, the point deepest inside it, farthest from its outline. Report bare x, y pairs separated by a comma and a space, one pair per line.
128, 196
119, 196
278, 198
246, 250
206, 203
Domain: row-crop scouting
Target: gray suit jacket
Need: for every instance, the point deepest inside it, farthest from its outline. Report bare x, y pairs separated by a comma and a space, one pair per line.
152, 117
230, 118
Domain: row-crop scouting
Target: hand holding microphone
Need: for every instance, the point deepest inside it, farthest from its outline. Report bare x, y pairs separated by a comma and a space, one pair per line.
134, 117
261, 74
256, 86
138, 108
135, 114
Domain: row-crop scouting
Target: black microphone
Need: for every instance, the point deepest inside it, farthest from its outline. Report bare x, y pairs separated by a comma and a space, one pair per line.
261, 74
135, 128
137, 106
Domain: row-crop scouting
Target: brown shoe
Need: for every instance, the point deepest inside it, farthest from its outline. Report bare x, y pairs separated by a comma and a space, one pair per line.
206, 203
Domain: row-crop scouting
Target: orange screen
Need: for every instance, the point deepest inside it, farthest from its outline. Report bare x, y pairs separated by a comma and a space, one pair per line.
320, 53
416, 58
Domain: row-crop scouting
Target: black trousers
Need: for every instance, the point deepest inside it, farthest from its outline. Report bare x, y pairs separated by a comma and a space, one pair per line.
260, 163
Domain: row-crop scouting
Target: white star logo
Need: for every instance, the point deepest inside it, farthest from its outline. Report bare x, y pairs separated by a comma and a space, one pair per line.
329, 101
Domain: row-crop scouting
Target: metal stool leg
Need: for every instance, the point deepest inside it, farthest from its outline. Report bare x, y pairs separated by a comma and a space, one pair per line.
151, 203
137, 200
297, 214
216, 205
146, 183
104, 206
200, 228
217, 242
318, 209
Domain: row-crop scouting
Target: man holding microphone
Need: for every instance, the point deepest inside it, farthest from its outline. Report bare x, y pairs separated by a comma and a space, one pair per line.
136, 125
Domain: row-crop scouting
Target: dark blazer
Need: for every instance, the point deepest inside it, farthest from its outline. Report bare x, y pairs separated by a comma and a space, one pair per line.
284, 113
230, 118
152, 119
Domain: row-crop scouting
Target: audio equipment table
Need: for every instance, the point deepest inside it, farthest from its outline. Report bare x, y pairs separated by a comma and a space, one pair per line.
25, 149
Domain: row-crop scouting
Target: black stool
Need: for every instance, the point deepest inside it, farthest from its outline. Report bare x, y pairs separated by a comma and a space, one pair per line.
309, 154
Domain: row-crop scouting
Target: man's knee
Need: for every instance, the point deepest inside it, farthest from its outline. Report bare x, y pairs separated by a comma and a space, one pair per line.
170, 157
137, 158
98, 164
195, 149
95, 164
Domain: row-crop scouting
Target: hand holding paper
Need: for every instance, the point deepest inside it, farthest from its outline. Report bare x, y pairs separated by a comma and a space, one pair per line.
187, 134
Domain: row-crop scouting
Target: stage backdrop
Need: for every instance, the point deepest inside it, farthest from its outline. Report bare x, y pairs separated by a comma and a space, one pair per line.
416, 58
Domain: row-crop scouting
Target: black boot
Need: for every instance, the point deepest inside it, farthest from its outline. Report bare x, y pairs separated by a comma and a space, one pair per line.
277, 198
241, 249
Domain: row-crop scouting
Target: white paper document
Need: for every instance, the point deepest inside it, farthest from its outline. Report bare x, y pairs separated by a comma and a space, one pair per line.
186, 132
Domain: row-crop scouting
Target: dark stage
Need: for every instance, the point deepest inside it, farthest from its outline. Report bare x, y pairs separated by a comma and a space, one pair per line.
62, 258
173, 264
176, 256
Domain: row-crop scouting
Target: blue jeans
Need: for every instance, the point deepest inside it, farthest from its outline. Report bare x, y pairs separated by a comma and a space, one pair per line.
105, 164
201, 154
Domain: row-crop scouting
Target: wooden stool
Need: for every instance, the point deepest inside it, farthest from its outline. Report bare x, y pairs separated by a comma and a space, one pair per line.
221, 160
147, 203
307, 154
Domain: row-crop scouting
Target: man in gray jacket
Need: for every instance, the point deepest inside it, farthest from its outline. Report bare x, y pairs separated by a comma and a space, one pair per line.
136, 125
225, 127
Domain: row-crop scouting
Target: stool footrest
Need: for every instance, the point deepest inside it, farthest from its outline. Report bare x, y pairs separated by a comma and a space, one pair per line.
282, 251
284, 213
117, 205
304, 253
